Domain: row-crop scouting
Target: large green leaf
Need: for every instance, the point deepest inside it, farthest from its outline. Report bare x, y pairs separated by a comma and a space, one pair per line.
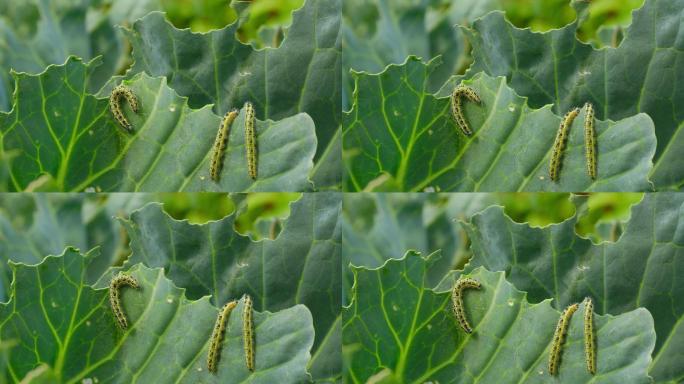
382, 32
641, 269
70, 135
36, 33
378, 227
400, 137
35, 225
644, 74
400, 329
66, 324
301, 266
302, 75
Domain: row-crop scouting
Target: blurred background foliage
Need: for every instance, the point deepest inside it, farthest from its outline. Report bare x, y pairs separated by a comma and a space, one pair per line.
205, 15
257, 212
254, 211
542, 15
599, 214
539, 15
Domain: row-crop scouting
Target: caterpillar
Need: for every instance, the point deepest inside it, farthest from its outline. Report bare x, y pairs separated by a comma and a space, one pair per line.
456, 107
214, 354
457, 301
589, 141
115, 106
559, 143
220, 145
117, 282
589, 344
558, 338
250, 141
247, 334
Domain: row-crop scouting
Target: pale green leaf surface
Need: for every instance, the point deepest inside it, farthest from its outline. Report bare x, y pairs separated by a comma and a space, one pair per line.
641, 269
398, 130
397, 324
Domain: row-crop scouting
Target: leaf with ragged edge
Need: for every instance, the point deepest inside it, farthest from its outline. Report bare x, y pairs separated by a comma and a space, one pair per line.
302, 75
384, 32
400, 328
36, 225
301, 266
66, 324
378, 227
36, 33
399, 132
63, 131
641, 269
644, 74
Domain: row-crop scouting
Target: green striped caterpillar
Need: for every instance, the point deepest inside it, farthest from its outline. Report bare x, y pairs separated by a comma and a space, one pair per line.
220, 145
589, 337
214, 354
114, 297
457, 301
247, 333
589, 140
115, 106
250, 141
559, 143
558, 338
457, 109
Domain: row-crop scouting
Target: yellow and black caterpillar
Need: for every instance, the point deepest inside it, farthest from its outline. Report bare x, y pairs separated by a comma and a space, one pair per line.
216, 341
559, 338
220, 143
559, 143
115, 106
457, 301
457, 109
114, 297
